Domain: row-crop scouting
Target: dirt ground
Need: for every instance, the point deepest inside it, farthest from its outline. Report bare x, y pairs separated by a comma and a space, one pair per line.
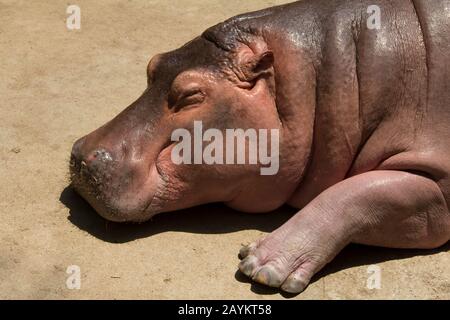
57, 85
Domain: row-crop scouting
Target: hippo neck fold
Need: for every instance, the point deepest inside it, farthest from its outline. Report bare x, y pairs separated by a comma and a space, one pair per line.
296, 57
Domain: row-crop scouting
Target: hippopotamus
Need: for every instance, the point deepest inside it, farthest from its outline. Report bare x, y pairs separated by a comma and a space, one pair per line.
363, 121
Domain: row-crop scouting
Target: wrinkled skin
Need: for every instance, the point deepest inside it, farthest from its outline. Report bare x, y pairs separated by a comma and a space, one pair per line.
364, 121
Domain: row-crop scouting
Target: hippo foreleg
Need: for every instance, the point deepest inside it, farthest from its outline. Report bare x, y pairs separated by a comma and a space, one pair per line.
381, 208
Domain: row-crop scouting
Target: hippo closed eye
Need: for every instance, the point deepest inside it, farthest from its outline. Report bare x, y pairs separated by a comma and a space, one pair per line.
362, 120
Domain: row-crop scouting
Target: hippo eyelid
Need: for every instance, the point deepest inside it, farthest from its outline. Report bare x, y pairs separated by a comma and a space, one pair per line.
190, 99
190, 92
176, 95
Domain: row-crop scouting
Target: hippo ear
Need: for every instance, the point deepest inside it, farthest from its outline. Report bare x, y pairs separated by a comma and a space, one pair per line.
254, 64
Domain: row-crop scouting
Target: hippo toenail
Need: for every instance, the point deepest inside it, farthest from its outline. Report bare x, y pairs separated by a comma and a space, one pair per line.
248, 265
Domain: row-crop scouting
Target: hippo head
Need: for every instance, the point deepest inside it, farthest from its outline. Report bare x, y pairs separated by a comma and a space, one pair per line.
125, 169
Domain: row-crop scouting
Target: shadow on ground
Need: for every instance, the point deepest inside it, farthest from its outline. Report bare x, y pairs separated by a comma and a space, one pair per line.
216, 219
206, 219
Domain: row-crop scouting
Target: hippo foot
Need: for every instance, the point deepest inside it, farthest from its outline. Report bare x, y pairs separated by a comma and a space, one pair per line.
288, 257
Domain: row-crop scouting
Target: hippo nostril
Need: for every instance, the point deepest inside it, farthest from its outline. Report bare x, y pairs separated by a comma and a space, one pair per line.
99, 155
90, 169
96, 163
103, 155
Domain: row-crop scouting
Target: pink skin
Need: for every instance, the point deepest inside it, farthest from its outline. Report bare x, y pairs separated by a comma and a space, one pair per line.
364, 141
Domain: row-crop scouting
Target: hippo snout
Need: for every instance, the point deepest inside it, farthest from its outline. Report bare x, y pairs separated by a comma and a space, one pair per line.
102, 173
90, 173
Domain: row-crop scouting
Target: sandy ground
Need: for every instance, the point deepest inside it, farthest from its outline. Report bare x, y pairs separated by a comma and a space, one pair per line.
57, 85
